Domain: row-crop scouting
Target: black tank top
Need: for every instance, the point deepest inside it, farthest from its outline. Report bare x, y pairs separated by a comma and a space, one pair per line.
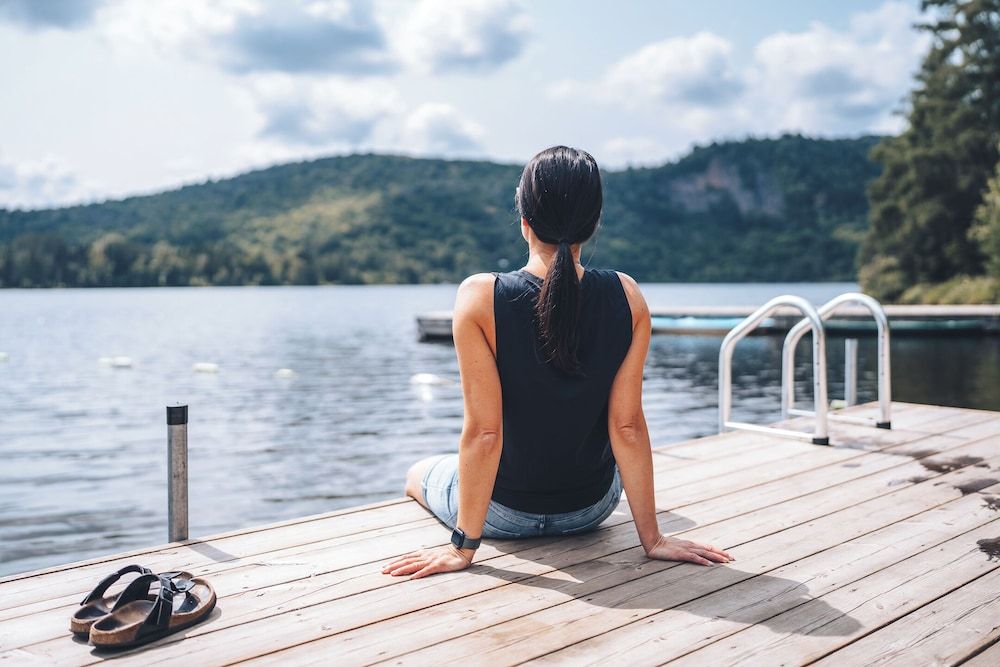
556, 454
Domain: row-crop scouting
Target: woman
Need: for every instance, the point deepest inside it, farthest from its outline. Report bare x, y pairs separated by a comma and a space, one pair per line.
551, 359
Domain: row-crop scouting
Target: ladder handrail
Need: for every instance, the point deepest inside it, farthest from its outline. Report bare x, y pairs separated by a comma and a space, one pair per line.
825, 312
820, 435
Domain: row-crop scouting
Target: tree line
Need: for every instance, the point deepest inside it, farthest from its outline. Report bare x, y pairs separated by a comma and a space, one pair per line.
791, 208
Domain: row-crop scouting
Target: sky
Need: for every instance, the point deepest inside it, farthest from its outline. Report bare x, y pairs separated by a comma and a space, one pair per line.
108, 98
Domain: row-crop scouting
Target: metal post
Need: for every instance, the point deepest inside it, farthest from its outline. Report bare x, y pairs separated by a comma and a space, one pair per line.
851, 371
177, 473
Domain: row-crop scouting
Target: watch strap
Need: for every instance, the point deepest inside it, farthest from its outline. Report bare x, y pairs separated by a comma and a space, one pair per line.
462, 541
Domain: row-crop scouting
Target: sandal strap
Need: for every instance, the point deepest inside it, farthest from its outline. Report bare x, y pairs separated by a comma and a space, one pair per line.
107, 581
138, 589
158, 619
159, 616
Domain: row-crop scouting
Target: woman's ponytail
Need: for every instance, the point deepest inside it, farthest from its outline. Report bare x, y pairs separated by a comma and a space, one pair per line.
558, 312
560, 196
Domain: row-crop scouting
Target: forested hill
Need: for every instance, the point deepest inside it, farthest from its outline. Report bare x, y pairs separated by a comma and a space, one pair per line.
779, 209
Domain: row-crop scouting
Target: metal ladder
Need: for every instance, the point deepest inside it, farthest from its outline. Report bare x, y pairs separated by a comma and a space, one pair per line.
850, 373
819, 436
813, 321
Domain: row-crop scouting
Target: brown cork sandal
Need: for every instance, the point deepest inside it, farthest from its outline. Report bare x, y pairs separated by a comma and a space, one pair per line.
136, 620
97, 604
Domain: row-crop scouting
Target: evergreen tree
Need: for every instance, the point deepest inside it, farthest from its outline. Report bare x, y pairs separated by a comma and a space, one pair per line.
934, 173
986, 230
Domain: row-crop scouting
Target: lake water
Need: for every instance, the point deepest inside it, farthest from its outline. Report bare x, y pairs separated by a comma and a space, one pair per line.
84, 445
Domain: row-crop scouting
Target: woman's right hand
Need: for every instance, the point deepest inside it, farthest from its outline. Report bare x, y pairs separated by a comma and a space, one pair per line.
671, 548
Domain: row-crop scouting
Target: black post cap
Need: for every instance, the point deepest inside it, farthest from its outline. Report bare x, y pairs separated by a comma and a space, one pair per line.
177, 414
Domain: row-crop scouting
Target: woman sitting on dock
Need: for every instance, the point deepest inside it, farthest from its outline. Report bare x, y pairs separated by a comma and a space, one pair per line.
551, 359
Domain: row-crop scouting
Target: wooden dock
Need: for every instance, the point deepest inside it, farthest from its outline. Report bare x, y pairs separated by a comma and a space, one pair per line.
718, 320
881, 549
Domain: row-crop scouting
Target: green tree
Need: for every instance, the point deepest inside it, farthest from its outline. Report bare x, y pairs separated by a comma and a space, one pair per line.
986, 230
934, 173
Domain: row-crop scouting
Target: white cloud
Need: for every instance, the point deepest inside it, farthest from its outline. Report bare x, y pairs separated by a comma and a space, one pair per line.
439, 129
634, 151
332, 112
243, 36
39, 183
696, 71
471, 35
819, 80
179, 27
301, 116
823, 80
42, 14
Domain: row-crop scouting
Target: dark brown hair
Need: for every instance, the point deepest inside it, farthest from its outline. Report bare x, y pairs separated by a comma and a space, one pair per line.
560, 196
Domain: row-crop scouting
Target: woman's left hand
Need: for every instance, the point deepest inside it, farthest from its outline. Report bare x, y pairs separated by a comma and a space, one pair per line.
446, 558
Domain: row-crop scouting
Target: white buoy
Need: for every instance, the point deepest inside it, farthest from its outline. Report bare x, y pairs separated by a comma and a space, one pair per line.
206, 367
429, 378
285, 373
3, 357
121, 362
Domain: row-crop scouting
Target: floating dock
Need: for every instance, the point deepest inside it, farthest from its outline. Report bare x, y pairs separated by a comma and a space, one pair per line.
718, 320
883, 548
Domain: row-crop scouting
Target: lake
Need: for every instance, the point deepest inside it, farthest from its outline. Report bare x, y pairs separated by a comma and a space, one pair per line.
84, 444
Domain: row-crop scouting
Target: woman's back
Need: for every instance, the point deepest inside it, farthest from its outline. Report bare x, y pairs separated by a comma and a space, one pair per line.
553, 430
556, 454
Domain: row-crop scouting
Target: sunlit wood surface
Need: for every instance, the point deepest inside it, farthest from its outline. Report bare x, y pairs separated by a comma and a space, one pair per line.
881, 549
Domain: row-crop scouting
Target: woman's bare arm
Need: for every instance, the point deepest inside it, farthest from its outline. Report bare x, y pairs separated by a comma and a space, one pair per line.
482, 429
482, 434
627, 423
631, 446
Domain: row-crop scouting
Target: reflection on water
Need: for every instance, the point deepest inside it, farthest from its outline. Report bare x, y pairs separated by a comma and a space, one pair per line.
84, 445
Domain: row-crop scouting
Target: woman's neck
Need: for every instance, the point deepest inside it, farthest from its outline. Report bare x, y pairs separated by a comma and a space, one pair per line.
538, 262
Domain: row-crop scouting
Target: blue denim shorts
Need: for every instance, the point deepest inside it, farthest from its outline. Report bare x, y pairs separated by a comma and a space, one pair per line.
440, 486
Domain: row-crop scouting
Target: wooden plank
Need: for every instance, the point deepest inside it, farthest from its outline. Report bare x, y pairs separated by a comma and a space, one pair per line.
233, 533
944, 632
684, 629
932, 421
193, 554
990, 657
734, 443
723, 508
300, 624
821, 626
265, 581
240, 543
956, 418
699, 621
430, 533
536, 634
245, 545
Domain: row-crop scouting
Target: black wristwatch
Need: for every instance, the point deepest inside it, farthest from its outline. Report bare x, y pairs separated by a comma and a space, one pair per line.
461, 541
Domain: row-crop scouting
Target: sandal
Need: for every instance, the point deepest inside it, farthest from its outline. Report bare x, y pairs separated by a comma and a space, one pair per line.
96, 605
136, 618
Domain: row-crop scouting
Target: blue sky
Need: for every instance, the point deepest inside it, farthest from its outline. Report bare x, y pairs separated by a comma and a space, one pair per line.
105, 98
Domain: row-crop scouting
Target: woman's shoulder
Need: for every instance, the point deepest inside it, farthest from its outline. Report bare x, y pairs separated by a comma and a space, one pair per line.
636, 301
475, 295
629, 284
478, 281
